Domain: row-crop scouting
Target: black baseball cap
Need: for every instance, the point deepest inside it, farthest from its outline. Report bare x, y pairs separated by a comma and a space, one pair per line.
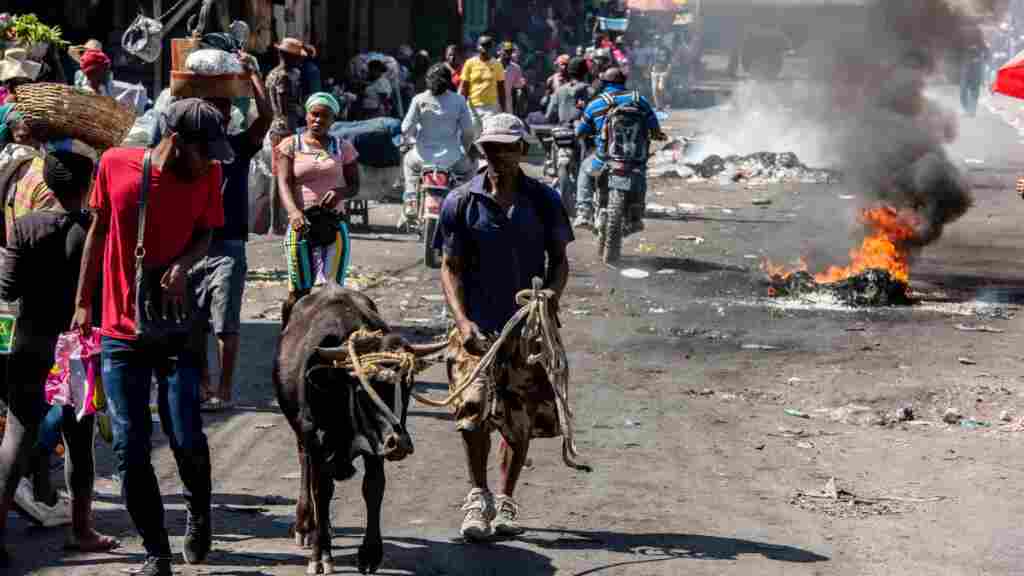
198, 121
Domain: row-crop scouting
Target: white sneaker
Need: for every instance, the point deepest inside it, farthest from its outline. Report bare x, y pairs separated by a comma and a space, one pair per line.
480, 511
40, 513
507, 521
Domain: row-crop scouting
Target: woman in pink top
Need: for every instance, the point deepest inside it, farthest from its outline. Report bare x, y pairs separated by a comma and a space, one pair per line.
317, 172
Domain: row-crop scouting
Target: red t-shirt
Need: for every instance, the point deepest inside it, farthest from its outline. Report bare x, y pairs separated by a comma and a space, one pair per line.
175, 210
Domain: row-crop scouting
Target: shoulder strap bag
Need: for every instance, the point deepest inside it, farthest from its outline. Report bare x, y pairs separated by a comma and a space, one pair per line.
151, 326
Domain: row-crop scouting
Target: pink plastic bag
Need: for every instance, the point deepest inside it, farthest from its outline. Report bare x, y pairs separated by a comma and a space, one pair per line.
75, 379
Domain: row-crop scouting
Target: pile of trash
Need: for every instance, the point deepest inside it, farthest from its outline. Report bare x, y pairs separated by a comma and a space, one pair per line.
760, 167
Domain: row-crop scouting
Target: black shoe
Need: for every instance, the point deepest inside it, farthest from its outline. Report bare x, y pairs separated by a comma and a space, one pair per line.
155, 567
197, 539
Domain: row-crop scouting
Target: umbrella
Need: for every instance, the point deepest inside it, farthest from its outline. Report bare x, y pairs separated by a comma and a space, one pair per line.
1010, 78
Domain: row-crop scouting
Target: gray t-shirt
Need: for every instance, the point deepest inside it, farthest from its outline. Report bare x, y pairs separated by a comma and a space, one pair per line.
438, 123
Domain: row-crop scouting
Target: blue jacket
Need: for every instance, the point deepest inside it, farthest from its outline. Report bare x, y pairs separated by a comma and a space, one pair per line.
596, 111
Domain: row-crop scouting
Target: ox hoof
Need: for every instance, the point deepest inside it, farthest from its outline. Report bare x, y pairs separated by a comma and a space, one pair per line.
370, 558
314, 568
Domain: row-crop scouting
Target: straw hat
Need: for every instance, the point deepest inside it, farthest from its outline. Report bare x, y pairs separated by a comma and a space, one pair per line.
17, 65
295, 47
76, 52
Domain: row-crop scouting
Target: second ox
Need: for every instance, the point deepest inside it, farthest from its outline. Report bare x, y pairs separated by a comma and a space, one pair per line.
343, 381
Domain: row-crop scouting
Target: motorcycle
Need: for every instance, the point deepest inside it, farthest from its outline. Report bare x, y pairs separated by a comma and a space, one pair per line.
564, 155
619, 186
435, 183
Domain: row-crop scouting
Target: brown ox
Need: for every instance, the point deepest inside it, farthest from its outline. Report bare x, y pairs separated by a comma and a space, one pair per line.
336, 419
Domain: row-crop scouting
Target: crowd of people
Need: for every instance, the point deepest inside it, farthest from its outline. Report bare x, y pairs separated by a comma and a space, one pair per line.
101, 223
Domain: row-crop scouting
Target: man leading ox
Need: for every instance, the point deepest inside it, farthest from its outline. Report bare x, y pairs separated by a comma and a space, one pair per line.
497, 233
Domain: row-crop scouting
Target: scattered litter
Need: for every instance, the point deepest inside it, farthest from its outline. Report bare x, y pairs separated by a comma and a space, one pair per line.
797, 414
418, 320
635, 274
292, 476
687, 207
972, 424
856, 328
645, 248
905, 414
667, 271
695, 239
973, 161
1006, 416
707, 392
265, 426
760, 447
805, 445
726, 211
631, 423
657, 311
979, 328
751, 257
846, 196
433, 297
579, 312
761, 201
858, 415
836, 502
966, 361
794, 380
764, 347
952, 416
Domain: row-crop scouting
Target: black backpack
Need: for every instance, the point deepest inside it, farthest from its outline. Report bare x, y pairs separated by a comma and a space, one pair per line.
626, 136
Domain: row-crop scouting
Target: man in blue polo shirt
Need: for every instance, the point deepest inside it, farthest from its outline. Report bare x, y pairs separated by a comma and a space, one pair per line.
613, 83
498, 232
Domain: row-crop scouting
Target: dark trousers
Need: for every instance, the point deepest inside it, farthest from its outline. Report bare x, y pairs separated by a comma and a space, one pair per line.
21, 382
128, 370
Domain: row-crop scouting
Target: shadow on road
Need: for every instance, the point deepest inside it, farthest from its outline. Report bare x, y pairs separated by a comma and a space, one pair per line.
650, 548
681, 264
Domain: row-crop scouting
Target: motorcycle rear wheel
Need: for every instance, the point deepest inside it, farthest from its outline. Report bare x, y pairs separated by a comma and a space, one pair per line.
611, 245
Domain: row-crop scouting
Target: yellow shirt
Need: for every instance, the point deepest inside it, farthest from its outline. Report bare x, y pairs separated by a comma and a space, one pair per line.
483, 78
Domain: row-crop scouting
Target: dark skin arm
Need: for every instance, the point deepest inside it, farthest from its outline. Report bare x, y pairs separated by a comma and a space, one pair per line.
557, 275
455, 294
175, 279
501, 96
352, 189
285, 177
92, 262
259, 128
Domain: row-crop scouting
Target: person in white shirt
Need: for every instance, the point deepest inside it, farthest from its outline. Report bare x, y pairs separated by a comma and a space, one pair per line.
377, 96
439, 121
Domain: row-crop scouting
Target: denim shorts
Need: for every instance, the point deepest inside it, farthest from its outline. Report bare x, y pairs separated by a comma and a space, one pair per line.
219, 283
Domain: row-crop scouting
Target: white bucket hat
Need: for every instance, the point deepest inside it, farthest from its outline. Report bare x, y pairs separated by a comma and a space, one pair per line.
17, 65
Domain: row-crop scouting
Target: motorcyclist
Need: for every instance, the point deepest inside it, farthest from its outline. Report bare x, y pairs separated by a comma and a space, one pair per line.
567, 103
613, 83
439, 122
600, 62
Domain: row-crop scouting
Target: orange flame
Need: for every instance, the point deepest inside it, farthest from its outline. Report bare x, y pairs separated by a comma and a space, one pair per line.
884, 248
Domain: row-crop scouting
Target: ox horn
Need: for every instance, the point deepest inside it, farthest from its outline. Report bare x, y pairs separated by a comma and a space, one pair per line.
421, 350
337, 354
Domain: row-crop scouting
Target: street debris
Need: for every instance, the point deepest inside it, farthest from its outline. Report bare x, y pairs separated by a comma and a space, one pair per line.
797, 414
979, 328
972, 424
265, 426
952, 416
1006, 416
667, 271
764, 347
858, 415
291, 476
695, 239
966, 361
846, 196
635, 274
761, 201
873, 287
905, 414
805, 445
837, 502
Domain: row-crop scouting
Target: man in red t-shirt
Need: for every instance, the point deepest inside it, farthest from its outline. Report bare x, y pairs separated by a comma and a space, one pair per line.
183, 207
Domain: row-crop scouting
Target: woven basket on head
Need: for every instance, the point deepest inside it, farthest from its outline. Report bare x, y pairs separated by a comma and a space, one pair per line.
58, 110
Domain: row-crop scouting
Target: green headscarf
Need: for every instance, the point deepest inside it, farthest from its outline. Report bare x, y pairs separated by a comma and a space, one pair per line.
324, 99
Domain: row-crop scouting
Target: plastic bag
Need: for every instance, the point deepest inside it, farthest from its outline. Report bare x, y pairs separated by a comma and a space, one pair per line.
75, 379
143, 38
212, 62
